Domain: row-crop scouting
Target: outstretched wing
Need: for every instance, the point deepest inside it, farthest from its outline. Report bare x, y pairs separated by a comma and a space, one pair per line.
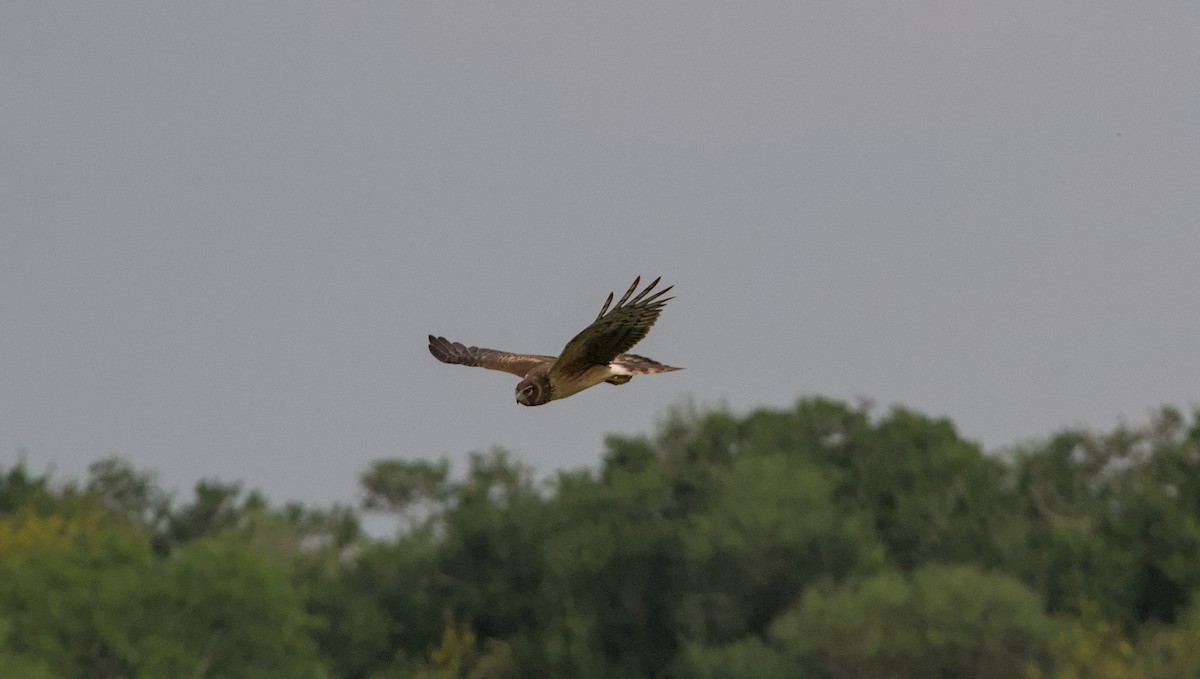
613, 332
459, 354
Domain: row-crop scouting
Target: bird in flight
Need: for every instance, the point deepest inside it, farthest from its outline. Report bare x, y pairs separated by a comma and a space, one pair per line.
593, 356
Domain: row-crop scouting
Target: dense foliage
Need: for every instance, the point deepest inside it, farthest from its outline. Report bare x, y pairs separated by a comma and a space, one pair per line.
813, 542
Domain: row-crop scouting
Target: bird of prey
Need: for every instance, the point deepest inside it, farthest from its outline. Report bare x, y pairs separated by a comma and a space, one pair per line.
593, 356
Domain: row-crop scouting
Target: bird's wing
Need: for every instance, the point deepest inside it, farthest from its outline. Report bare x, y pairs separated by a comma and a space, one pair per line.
613, 332
459, 354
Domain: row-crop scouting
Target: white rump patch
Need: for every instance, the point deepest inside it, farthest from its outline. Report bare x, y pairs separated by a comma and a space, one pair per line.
617, 368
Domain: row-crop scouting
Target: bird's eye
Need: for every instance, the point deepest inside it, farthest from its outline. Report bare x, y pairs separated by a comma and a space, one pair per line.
527, 390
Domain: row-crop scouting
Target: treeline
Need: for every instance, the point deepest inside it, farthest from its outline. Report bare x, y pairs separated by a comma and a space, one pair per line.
818, 542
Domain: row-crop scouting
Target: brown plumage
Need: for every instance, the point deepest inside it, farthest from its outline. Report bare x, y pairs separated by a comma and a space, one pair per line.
593, 356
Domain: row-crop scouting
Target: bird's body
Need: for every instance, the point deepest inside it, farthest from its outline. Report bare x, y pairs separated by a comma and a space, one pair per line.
593, 356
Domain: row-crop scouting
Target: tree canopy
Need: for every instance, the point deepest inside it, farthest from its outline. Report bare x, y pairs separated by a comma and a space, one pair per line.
817, 541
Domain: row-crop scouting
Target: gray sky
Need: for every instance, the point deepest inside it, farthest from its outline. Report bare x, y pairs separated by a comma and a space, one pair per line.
227, 228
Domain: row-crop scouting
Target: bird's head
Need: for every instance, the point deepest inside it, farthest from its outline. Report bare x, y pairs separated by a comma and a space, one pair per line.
534, 390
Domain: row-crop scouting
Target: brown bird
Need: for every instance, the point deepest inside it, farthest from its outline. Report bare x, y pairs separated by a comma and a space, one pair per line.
593, 356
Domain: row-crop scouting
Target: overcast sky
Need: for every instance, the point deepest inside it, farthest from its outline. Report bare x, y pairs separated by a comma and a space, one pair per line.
227, 228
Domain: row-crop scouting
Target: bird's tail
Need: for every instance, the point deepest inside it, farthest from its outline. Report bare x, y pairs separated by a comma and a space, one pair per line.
632, 364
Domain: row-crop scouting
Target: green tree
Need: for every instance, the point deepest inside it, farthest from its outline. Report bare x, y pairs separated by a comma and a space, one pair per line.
617, 569
243, 617
1114, 519
126, 491
69, 590
930, 495
940, 621
771, 529
411, 489
461, 656
15, 663
83, 595
217, 506
749, 657
18, 488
